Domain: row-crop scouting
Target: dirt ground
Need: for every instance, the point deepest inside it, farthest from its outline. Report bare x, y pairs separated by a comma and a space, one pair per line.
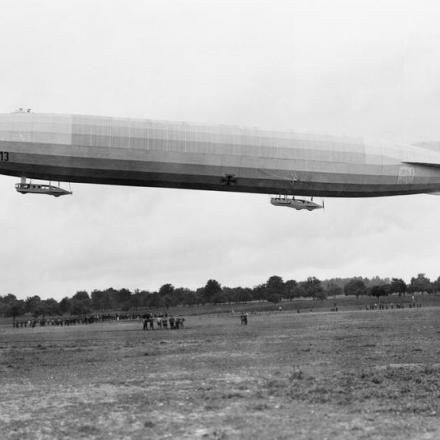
344, 375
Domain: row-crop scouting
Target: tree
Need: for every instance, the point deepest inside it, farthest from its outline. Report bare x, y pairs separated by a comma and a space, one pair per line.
333, 289
378, 291
200, 295
273, 297
180, 294
64, 305
191, 298
259, 292
299, 291
376, 281
436, 285
290, 289
243, 294
32, 303
397, 286
154, 300
211, 289
15, 308
219, 298
79, 307
166, 289
355, 287
168, 301
321, 295
101, 300
136, 300
169, 295
420, 284
80, 303
312, 287
123, 298
113, 298
81, 295
47, 307
9, 299
275, 285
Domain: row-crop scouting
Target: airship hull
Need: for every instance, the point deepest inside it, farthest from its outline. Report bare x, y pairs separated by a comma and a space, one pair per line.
115, 151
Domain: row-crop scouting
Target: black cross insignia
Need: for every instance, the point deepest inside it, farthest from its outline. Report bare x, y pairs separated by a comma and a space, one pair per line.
229, 179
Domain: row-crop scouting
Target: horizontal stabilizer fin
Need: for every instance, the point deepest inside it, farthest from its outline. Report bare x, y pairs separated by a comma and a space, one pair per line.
425, 164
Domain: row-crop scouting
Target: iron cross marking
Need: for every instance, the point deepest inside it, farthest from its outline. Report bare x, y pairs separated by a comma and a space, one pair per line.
229, 179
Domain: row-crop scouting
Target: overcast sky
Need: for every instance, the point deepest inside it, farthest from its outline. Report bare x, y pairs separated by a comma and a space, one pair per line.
362, 68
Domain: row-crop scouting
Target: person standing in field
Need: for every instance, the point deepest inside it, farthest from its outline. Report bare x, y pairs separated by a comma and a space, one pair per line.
172, 322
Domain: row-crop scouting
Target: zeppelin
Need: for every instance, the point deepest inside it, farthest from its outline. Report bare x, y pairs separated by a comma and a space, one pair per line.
118, 151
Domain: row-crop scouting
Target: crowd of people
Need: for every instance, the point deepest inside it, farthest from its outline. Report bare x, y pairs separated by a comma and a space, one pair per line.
392, 306
162, 321
150, 321
65, 322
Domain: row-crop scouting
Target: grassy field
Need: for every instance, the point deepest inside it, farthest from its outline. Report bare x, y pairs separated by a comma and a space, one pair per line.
343, 303
346, 375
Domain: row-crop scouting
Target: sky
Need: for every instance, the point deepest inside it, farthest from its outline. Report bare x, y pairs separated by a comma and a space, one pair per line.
345, 67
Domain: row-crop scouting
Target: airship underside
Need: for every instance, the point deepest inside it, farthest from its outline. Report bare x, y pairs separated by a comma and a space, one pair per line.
118, 151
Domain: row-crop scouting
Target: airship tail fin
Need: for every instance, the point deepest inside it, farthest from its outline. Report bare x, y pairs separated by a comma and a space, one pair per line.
425, 164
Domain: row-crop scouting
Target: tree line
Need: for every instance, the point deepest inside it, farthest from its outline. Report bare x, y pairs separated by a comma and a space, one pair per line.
274, 290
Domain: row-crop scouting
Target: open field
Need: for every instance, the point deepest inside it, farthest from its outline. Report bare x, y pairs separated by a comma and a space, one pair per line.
345, 375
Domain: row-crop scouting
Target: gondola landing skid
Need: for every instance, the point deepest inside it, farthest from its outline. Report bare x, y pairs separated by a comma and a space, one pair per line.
25, 187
